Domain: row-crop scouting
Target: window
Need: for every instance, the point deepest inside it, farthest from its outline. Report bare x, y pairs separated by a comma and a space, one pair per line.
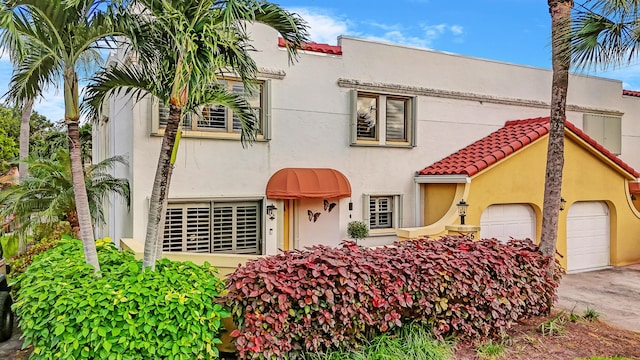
219, 121
383, 213
233, 227
606, 130
379, 119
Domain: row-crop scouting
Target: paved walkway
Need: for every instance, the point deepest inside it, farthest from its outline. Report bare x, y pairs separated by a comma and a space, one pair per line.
614, 293
9, 347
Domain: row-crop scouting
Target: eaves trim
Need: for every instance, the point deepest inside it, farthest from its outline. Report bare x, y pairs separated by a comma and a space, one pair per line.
460, 95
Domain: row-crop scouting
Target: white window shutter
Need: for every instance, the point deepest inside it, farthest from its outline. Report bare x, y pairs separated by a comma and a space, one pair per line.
353, 117
266, 96
366, 213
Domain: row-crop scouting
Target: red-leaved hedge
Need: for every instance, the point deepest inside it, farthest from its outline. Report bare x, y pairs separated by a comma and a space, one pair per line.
322, 297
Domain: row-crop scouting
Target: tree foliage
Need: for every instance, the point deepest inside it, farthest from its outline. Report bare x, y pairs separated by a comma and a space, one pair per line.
186, 46
46, 196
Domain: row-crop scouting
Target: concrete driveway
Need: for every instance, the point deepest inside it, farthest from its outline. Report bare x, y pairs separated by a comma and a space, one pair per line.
614, 293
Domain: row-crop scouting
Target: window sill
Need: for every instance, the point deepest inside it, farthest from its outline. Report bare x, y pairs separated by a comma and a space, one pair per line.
195, 134
388, 144
382, 232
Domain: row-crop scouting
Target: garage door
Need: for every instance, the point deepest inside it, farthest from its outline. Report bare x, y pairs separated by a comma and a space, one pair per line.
587, 236
506, 221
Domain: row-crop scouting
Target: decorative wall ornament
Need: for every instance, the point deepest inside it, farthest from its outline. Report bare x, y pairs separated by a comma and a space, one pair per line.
313, 216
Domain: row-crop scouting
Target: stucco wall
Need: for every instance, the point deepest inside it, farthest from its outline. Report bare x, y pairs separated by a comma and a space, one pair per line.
310, 126
520, 179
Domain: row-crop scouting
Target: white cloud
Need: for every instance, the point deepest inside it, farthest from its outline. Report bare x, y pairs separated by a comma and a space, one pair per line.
323, 27
629, 75
434, 32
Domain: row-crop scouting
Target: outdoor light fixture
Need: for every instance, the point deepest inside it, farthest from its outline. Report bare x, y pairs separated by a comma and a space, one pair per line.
270, 209
562, 202
462, 210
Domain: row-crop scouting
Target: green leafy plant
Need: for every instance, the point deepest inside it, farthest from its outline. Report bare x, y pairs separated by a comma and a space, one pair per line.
326, 298
66, 311
357, 230
554, 326
490, 350
590, 314
411, 341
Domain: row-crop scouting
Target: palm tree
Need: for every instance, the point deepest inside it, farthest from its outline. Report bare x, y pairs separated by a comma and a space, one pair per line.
605, 33
59, 40
25, 130
560, 11
191, 44
47, 195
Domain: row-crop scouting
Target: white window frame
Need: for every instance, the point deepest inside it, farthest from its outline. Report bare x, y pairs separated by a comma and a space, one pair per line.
211, 205
396, 216
193, 130
380, 138
605, 129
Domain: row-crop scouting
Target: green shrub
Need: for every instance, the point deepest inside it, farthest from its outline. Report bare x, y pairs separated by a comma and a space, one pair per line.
19, 263
324, 298
67, 312
357, 230
45, 237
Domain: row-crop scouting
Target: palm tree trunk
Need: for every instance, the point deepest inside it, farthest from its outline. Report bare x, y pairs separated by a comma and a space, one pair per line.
161, 183
25, 130
72, 115
560, 25
82, 201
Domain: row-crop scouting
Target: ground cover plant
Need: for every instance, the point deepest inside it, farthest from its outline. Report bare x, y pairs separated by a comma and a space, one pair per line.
412, 341
323, 298
67, 312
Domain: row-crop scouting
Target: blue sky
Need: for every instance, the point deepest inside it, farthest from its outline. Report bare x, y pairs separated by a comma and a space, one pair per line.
515, 31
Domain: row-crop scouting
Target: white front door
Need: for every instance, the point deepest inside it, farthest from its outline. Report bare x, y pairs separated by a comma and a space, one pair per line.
588, 237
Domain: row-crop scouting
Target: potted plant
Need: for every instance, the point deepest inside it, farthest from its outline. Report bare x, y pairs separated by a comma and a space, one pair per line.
357, 230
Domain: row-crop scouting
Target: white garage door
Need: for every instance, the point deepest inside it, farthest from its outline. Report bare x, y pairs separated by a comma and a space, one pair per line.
587, 236
506, 221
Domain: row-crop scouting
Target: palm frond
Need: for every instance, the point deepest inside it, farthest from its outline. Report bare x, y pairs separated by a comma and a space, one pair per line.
119, 80
605, 33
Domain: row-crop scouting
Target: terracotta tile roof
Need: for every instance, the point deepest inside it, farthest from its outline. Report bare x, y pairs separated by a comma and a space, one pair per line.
631, 93
315, 47
513, 136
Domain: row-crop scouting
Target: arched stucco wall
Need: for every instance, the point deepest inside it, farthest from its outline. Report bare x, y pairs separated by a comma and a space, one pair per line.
438, 199
587, 176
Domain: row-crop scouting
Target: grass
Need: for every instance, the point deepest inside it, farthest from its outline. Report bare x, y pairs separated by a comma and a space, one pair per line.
490, 350
590, 314
410, 342
554, 326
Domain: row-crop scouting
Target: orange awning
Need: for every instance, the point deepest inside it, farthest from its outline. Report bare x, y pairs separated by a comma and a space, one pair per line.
308, 183
634, 187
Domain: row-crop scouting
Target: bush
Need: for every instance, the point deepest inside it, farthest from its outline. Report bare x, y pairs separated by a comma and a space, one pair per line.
323, 298
67, 312
357, 230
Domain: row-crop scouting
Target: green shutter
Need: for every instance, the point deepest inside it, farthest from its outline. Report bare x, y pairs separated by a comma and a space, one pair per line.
413, 119
266, 96
353, 116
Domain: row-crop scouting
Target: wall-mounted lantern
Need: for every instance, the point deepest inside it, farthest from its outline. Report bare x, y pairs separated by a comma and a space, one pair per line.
562, 203
270, 209
462, 210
